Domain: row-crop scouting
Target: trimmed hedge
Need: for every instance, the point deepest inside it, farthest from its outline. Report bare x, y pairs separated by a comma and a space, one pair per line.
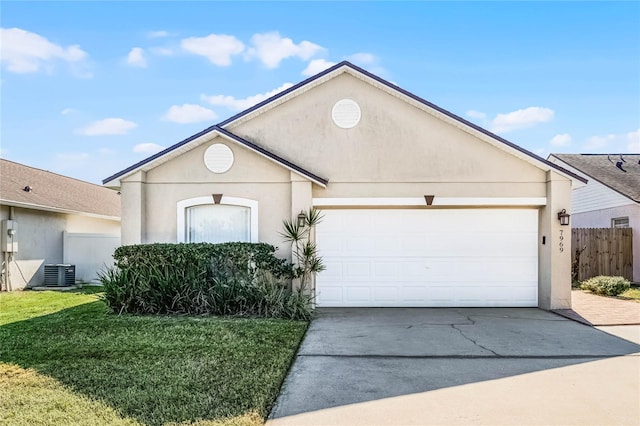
606, 286
214, 279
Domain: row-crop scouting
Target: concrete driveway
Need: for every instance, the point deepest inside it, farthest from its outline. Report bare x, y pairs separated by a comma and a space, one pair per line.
459, 366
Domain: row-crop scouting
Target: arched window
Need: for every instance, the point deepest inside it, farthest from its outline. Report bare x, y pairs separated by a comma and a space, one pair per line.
200, 220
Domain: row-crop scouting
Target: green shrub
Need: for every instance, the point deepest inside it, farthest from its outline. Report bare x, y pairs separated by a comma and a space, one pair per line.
214, 279
606, 286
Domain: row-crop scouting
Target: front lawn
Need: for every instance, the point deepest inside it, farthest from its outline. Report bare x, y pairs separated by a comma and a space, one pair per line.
64, 359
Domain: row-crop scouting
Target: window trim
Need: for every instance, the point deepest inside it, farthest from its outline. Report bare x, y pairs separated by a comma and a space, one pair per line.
613, 219
183, 205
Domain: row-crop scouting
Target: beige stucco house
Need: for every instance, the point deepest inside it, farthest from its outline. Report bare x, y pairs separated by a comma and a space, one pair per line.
51, 219
421, 208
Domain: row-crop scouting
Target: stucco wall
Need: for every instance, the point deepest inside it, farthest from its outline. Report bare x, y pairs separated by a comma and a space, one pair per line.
40, 241
394, 143
186, 176
602, 219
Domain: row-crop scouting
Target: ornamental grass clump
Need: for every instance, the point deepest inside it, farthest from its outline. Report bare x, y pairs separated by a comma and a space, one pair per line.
606, 286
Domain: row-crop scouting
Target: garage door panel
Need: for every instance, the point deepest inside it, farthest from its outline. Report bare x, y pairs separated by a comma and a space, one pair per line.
482, 269
385, 294
458, 270
354, 270
334, 270
330, 296
462, 257
524, 294
387, 269
357, 294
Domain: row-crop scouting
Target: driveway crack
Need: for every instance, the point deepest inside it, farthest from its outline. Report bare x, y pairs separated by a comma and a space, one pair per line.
454, 326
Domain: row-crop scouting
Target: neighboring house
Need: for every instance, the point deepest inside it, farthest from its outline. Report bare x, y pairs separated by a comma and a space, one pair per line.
421, 208
611, 199
55, 219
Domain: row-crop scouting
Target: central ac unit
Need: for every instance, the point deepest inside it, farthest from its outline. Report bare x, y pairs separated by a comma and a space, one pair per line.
59, 275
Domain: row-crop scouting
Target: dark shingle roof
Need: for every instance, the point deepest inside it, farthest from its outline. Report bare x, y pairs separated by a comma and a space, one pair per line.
51, 191
624, 179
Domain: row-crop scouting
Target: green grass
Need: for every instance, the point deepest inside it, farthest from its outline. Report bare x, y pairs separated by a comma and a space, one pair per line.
64, 359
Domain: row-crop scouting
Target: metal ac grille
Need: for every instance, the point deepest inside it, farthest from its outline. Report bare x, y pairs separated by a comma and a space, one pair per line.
59, 275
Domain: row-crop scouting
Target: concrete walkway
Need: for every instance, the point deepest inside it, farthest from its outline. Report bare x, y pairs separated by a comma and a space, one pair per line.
595, 310
458, 366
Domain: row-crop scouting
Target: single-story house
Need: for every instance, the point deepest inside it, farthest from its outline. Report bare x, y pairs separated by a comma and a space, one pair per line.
611, 199
421, 207
52, 219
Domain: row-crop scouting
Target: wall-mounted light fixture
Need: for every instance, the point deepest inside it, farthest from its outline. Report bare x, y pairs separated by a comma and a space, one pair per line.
563, 217
302, 219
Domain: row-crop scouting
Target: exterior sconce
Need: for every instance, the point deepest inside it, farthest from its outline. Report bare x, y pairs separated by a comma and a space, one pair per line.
302, 219
563, 217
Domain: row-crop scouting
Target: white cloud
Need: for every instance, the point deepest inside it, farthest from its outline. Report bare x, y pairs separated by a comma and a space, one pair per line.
158, 34
189, 113
68, 111
148, 148
562, 139
476, 114
108, 126
362, 58
240, 104
136, 58
162, 51
218, 48
26, 52
614, 142
316, 66
521, 119
271, 48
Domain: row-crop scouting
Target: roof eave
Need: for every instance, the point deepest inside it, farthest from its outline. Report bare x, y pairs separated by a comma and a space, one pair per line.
115, 180
53, 209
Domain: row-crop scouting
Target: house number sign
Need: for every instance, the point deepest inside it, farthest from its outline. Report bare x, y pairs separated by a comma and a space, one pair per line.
560, 243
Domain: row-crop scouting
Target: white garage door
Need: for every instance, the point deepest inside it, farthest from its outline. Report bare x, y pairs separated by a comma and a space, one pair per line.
457, 257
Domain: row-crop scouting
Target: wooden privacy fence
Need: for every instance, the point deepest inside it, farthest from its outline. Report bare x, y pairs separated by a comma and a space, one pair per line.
601, 251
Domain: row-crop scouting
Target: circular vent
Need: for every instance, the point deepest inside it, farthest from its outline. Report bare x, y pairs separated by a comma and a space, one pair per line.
346, 113
218, 158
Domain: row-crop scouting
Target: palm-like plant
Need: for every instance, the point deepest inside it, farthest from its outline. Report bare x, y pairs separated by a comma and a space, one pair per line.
305, 252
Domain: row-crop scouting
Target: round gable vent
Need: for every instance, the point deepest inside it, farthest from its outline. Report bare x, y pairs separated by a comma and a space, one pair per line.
218, 158
346, 113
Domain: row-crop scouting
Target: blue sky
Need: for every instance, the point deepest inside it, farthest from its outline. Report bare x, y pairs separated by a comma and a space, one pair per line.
89, 88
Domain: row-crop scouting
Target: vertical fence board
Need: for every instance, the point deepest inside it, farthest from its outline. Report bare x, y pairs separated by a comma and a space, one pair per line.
603, 251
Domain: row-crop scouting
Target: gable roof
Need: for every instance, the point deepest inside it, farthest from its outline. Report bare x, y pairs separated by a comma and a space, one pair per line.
358, 72
166, 154
54, 192
603, 168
